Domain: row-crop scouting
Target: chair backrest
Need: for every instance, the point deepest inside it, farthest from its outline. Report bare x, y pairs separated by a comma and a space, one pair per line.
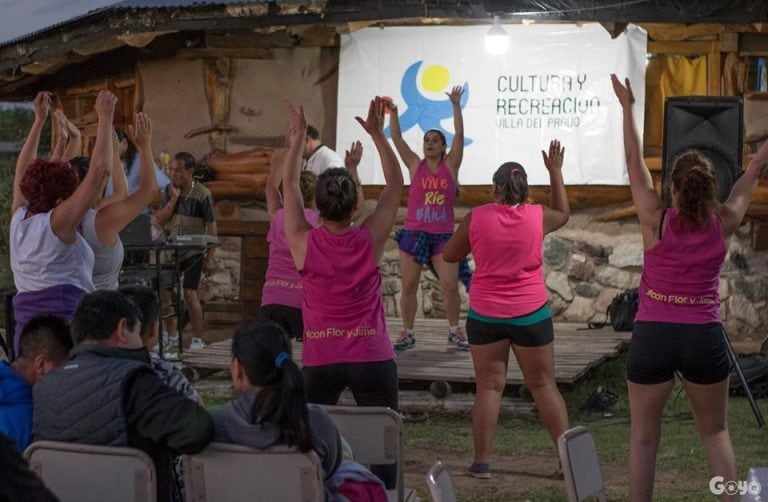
90, 473
440, 483
375, 435
581, 467
238, 473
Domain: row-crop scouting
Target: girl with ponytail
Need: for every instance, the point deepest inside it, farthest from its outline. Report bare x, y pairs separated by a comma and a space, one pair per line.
677, 327
508, 305
271, 408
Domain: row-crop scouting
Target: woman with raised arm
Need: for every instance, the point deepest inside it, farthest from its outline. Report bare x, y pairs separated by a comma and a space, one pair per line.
508, 304
345, 332
102, 224
677, 326
51, 262
429, 222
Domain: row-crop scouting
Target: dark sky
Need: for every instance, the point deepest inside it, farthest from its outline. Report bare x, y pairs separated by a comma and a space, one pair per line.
21, 17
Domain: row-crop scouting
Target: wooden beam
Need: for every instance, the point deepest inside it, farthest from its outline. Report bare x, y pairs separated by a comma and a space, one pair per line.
244, 53
689, 47
714, 58
242, 227
754, 44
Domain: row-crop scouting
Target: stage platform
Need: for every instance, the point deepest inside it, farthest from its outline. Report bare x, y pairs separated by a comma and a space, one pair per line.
433, 359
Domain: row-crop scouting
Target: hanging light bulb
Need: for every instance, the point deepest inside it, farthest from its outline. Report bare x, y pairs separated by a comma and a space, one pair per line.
496, 40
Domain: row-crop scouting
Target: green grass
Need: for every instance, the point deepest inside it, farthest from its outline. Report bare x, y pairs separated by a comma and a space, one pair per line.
681, 458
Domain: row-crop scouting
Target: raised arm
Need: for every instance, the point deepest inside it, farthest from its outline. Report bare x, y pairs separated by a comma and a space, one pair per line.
732, 211
458, 246
380, 222
59, 130
112, 218
69, 131
69, 213
456, 154
296, 225
351, 161
647, 202
272, 192
557, 213
119, 182
42, 105
410, 159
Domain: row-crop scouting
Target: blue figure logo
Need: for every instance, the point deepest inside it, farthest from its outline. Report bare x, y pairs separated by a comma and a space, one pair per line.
425, 112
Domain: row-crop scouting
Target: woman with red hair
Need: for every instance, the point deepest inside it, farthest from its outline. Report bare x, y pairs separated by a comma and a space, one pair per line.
51, 262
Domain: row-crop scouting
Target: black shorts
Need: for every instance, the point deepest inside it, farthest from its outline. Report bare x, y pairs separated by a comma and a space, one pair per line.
532, 335
658, 349
191, 270
289, 318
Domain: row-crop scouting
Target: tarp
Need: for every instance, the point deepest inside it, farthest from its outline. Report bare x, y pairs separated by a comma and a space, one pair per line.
552, 84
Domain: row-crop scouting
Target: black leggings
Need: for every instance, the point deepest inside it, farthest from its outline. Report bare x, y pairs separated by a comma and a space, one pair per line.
372, 384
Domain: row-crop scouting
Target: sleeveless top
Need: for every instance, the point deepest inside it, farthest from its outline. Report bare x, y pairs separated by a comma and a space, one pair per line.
40, 260
343, 311
108, 259
282, 284
430, 200
507, 243
681, 274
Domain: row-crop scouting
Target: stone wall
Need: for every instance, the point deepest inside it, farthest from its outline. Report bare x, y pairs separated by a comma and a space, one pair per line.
586, 263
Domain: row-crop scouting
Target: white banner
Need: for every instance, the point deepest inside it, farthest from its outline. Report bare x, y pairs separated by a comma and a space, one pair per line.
552, 84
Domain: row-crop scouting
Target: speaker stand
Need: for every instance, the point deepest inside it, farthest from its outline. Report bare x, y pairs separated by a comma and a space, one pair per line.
747, 390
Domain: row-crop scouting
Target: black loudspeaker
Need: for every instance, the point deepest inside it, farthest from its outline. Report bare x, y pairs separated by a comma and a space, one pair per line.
710, 124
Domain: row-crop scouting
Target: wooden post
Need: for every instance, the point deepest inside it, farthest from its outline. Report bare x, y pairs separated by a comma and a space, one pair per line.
217, 76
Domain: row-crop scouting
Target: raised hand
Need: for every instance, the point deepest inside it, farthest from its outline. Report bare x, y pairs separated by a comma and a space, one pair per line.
61, 123
141, 131
105, 105
353, 155
554, 160
42, 105
623, 92
297, 124
374, 122
455, 94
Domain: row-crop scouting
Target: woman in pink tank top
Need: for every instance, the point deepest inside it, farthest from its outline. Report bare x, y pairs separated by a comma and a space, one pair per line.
508, 304
430, 221
345, 334
678, 327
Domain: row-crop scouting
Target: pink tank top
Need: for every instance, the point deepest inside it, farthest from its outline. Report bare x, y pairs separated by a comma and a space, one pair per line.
282, 284
343, 312
681, 274
430, 200
507, 244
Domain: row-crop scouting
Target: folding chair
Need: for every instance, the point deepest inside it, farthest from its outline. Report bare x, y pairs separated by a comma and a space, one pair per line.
90, 473
237, 473
581, 468
440, 483
375, 435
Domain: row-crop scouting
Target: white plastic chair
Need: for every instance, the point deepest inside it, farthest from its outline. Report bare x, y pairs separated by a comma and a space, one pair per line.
375, 435
237, 473
440, 483
91, 473
581, 467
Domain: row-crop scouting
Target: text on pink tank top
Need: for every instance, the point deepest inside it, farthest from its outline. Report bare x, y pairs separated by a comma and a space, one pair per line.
282, 285
507, 243
430, 200
343, 312
681, 274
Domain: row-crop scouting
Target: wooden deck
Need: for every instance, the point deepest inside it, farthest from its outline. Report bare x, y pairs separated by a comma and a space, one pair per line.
433, 358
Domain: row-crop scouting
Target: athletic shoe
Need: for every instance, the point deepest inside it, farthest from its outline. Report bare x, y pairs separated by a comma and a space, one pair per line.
196, 344
459, 339
405, 341
480, 470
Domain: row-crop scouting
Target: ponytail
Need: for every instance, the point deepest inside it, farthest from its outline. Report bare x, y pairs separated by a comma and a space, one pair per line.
262, 350
511, 183
693, 180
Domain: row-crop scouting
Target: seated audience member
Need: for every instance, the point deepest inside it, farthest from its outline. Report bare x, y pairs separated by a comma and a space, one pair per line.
107, 393
44, 344
149, 309
17, 482
271, 408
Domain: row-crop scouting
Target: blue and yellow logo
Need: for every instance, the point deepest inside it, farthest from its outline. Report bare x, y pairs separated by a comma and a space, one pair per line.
425, 112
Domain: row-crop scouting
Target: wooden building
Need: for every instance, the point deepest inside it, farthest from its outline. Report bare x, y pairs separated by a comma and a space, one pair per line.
211, 74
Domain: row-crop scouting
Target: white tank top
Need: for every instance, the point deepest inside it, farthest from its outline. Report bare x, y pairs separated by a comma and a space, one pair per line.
39, 260
107, 259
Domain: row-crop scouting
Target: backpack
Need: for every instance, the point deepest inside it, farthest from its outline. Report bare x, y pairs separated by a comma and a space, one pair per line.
623, 309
